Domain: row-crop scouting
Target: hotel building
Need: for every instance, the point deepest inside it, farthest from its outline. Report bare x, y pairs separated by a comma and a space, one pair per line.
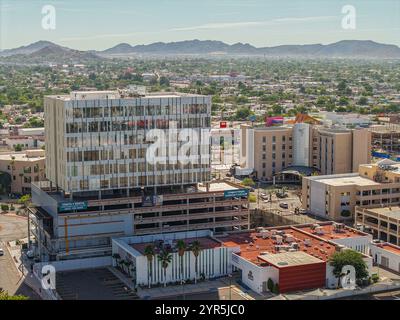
103, 182
269, 151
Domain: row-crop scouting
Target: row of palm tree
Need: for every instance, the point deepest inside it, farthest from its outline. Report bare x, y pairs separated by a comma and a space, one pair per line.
165, 258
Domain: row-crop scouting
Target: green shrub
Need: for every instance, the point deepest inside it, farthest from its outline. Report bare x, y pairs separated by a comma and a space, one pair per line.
345, 213
374, 278
4, 207
270, 285
252, 198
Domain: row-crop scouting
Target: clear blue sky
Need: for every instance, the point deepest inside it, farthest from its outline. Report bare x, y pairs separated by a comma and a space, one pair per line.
100, 24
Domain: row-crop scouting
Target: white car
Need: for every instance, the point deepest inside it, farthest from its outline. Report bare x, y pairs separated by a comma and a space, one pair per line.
1, 252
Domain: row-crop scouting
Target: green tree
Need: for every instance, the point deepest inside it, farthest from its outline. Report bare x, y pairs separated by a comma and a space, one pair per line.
270, 284
348, 257
165, 257
149, 253
181, 245
248, 182
195, 247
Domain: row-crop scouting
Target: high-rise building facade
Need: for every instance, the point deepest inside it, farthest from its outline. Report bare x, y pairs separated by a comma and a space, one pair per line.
121, 164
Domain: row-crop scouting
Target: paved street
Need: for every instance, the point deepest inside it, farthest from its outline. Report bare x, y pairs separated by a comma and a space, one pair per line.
12, 228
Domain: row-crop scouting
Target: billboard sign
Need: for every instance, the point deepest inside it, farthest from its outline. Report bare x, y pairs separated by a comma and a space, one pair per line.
236, 193
71, 206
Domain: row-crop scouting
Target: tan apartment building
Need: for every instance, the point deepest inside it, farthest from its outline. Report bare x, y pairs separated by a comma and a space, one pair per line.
22, 168
382, 222
268, 151
336, 196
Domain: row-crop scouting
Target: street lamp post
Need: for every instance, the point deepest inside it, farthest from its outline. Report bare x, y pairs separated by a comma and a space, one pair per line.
183, 289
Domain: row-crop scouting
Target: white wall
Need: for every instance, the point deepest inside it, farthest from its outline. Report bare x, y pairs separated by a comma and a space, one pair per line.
211, 262
317, 198
301, 144
78, 264
360, 244
252, 275
394, 259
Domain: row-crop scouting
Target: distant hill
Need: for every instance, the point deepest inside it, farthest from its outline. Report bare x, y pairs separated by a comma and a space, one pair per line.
341, 49
46, 52
31, 48
50, 52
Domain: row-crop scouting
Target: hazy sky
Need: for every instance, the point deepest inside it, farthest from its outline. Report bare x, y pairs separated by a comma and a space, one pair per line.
100, 24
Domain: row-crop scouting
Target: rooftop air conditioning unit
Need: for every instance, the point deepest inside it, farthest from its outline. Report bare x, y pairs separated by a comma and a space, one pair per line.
289, 238
295, 245
265, 234
319, 230
307, 242
278, 239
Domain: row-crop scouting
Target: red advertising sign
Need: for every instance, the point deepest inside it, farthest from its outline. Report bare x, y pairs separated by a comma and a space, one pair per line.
223, 124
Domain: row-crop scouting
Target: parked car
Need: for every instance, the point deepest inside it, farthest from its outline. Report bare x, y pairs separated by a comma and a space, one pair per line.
284, 205
302, 211
1, 252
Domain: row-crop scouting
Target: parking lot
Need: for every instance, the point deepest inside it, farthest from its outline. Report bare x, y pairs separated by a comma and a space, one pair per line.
92, 284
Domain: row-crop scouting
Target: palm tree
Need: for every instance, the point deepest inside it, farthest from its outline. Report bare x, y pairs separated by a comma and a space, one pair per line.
181, 245
149, 253
195, 247
12, 162
165, 257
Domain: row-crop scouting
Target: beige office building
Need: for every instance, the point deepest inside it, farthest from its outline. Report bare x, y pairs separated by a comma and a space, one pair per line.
336, 196
268, 151
22, 169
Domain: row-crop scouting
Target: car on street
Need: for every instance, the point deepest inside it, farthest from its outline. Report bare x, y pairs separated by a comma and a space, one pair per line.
1, 252
284, 205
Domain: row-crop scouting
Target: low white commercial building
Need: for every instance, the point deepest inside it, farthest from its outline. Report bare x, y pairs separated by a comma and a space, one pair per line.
386, 255
213, 260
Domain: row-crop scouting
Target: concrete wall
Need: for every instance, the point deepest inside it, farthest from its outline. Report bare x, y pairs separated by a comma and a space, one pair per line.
78, 264
378, 253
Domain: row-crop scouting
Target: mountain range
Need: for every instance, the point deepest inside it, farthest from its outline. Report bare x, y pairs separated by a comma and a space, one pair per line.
49, 51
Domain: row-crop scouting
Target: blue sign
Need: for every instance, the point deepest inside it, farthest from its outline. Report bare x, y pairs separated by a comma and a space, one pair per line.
236, 193
70, 206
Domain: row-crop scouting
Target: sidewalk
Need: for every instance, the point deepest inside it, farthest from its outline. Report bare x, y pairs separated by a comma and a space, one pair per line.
27, 277
177, 290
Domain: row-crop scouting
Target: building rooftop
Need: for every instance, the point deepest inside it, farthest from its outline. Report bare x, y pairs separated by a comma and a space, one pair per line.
340, 181
205, 243
252, 244
94, 95
25, 156
390, 212
289, 259
332, 231
389, 247
218, 186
